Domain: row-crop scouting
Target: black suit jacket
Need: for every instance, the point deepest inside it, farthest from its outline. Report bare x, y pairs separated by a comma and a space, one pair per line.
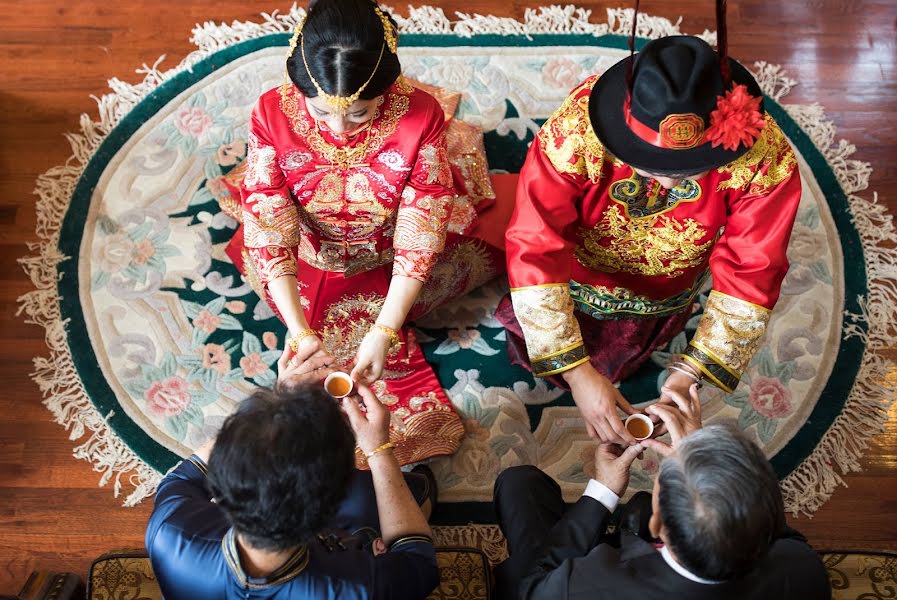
575, 565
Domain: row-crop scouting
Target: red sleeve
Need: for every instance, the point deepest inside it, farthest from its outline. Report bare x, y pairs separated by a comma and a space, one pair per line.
425, 208
749, 261
564, 158
539, 241
270, 217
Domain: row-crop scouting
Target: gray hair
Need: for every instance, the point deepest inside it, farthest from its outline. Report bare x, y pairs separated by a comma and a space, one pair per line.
720, 502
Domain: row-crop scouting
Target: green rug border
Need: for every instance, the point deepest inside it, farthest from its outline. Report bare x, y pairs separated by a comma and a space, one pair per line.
160, 458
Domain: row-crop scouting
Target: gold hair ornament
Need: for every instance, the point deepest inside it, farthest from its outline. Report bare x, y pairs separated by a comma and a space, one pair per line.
297, 31
341, 104
390, 35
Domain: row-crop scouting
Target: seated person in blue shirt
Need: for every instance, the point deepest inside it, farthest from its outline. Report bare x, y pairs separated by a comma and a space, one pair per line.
275, 508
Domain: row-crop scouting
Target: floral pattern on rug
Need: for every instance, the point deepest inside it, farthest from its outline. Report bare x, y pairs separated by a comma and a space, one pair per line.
181, 339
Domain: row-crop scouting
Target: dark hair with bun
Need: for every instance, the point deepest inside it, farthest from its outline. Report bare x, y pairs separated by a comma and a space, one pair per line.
343, 40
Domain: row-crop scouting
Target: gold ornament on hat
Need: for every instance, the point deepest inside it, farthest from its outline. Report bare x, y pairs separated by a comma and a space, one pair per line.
341, 104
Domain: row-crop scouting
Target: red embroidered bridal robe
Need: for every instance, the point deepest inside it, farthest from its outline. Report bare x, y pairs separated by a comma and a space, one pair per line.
401, 198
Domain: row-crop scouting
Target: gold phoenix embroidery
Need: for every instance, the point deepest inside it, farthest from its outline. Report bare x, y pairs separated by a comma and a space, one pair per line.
347, 321
458, 271
260, 163
768, 163
277, 223
569, 141
436, 165
655, 245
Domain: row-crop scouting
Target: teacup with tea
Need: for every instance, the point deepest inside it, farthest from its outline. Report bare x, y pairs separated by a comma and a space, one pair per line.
639, 426
339, 384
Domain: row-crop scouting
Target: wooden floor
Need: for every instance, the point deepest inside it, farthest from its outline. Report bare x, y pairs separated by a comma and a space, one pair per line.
54, 55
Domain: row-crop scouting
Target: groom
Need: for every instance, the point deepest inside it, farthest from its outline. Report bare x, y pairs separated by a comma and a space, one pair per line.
648, 180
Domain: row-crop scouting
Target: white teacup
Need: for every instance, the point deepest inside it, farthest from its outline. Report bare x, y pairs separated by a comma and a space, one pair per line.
339, 384
640, 426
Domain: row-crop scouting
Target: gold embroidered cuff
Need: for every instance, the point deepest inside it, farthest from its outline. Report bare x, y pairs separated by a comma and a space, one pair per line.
728, 335
562, 361
270, 220
545, 314
711, 371
272, 262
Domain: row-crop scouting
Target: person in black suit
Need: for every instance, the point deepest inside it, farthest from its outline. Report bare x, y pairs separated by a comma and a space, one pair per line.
716, 512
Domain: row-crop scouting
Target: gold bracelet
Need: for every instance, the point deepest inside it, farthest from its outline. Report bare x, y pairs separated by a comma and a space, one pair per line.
382, 448
392, 334
294, 341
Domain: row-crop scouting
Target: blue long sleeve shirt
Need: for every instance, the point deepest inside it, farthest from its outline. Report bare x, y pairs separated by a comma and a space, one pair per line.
193, 552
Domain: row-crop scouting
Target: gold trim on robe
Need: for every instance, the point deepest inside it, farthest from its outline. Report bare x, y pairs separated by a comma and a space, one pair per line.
728, 335
568, 139
553, 339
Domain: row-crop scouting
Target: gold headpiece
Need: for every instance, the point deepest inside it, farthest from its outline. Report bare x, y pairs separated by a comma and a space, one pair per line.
341, 104
390, 35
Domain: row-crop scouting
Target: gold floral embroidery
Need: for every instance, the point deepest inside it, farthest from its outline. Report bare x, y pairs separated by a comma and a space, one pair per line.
277, 223
276, 262
459, 269
344, 257
403, 86
398, 103
266, 205
415, 264
768, 163
729, 332
435, 164
467, 153
569, 141
545, 314
655, 245
260, 163
422, 227
463, 215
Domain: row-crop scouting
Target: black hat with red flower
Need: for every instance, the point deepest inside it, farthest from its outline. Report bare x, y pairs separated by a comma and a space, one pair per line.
678, 106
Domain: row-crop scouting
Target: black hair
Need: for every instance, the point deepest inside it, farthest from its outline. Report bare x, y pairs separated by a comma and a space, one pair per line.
343, 40
281, 464
720, 502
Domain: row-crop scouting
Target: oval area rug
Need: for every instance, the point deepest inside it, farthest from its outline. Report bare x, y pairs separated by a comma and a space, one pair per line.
154, 337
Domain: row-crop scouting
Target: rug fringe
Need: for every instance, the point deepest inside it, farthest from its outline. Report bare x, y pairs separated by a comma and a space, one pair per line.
866, 410
810, 485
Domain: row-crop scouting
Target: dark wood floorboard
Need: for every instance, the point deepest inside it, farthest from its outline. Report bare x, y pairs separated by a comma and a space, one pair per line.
54, 55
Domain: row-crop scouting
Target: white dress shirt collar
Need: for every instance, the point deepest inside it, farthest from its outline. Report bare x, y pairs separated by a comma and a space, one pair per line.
668, 557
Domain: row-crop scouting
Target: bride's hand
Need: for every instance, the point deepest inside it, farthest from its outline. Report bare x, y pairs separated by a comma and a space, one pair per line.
309, 346
371, 356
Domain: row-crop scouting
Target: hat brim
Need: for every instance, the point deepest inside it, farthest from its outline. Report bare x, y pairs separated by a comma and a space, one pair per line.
609, 123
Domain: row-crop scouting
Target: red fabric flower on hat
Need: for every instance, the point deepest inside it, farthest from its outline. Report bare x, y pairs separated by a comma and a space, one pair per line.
737, 119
